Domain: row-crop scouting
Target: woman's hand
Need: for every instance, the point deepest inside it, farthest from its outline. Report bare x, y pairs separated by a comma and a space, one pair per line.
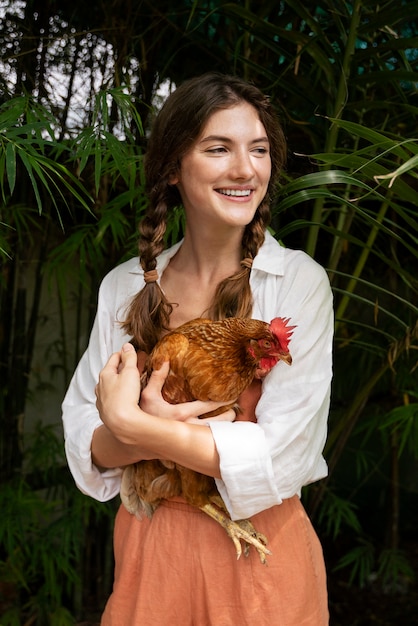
119, 388
152, 402
132, 432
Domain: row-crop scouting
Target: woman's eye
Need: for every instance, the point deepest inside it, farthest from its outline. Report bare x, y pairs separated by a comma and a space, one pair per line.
216, 150
260, 150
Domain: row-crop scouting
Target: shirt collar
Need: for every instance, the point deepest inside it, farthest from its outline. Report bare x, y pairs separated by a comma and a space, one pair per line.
270, 257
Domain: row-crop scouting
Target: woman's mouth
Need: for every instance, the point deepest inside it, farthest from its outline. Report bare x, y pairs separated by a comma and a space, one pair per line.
238, 193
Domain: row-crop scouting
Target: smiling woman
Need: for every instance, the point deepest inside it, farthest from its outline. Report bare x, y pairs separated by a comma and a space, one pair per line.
224, 176
217, 148
176, 129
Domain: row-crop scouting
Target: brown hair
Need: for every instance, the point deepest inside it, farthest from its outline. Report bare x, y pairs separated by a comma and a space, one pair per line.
175, 129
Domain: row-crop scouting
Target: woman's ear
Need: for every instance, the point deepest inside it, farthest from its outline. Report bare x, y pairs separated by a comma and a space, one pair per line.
174, 177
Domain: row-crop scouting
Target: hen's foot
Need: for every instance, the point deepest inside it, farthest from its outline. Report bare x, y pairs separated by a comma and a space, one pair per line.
132, 502
240, 530
248, 527
245, 524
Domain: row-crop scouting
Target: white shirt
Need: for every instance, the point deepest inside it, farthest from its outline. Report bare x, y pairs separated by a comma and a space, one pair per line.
261, 463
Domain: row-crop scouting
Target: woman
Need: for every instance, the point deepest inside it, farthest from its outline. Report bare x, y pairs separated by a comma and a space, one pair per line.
216, 148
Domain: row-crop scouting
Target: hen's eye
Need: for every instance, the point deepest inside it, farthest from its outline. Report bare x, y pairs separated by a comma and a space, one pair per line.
267, 344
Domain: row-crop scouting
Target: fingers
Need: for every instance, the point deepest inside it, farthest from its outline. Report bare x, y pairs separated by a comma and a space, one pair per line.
128, 356
119, 360
119, 383
153, 402
157, 378
189, 410
198, 407
113, 364
226, 416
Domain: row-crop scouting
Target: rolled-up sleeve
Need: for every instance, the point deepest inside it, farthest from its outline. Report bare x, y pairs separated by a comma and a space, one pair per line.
79, 413
80, 419
265, 462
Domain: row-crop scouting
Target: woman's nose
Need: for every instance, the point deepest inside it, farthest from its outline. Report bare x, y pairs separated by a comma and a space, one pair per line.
242, 166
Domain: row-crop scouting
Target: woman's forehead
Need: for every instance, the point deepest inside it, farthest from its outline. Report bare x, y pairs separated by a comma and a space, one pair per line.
241, 118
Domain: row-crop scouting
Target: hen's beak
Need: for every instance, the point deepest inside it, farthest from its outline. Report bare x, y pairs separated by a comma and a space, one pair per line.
286, 357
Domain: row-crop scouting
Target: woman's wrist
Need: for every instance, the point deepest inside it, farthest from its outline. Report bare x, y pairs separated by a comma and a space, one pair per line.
108, 451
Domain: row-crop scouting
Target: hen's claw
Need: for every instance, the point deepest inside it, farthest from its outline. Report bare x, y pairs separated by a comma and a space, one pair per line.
248, 527
242, 529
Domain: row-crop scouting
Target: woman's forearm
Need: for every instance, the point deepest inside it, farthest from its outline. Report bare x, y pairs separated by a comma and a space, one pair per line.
108, 452
190, 445
132, 433
187, 444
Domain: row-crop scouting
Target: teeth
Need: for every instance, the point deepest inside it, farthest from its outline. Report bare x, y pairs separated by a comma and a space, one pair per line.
235, 192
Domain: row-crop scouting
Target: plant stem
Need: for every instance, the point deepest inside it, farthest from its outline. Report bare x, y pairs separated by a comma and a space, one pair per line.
332, 136
364, 255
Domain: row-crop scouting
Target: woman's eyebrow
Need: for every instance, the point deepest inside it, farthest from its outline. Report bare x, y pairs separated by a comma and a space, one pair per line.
223, 139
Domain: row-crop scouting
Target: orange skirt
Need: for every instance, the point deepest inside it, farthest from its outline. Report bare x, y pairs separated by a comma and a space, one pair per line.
180, 568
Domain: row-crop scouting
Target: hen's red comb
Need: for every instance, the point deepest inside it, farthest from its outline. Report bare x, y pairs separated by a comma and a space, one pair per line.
279, 327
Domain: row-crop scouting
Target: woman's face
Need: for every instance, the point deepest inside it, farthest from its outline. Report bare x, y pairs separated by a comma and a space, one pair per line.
224, 176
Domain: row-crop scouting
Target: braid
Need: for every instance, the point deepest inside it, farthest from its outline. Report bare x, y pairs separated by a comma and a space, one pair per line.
233, 297
149, 312
253, 237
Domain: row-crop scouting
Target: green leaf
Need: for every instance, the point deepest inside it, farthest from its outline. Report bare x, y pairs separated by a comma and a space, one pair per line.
375, 137
84, 143
118, 153
360, 560
26, 160
97, 165
325, 178
394, 567
402, 169
11, 165
404, 420
338, 512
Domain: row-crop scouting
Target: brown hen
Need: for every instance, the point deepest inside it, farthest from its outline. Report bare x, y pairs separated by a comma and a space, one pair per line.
208, 361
